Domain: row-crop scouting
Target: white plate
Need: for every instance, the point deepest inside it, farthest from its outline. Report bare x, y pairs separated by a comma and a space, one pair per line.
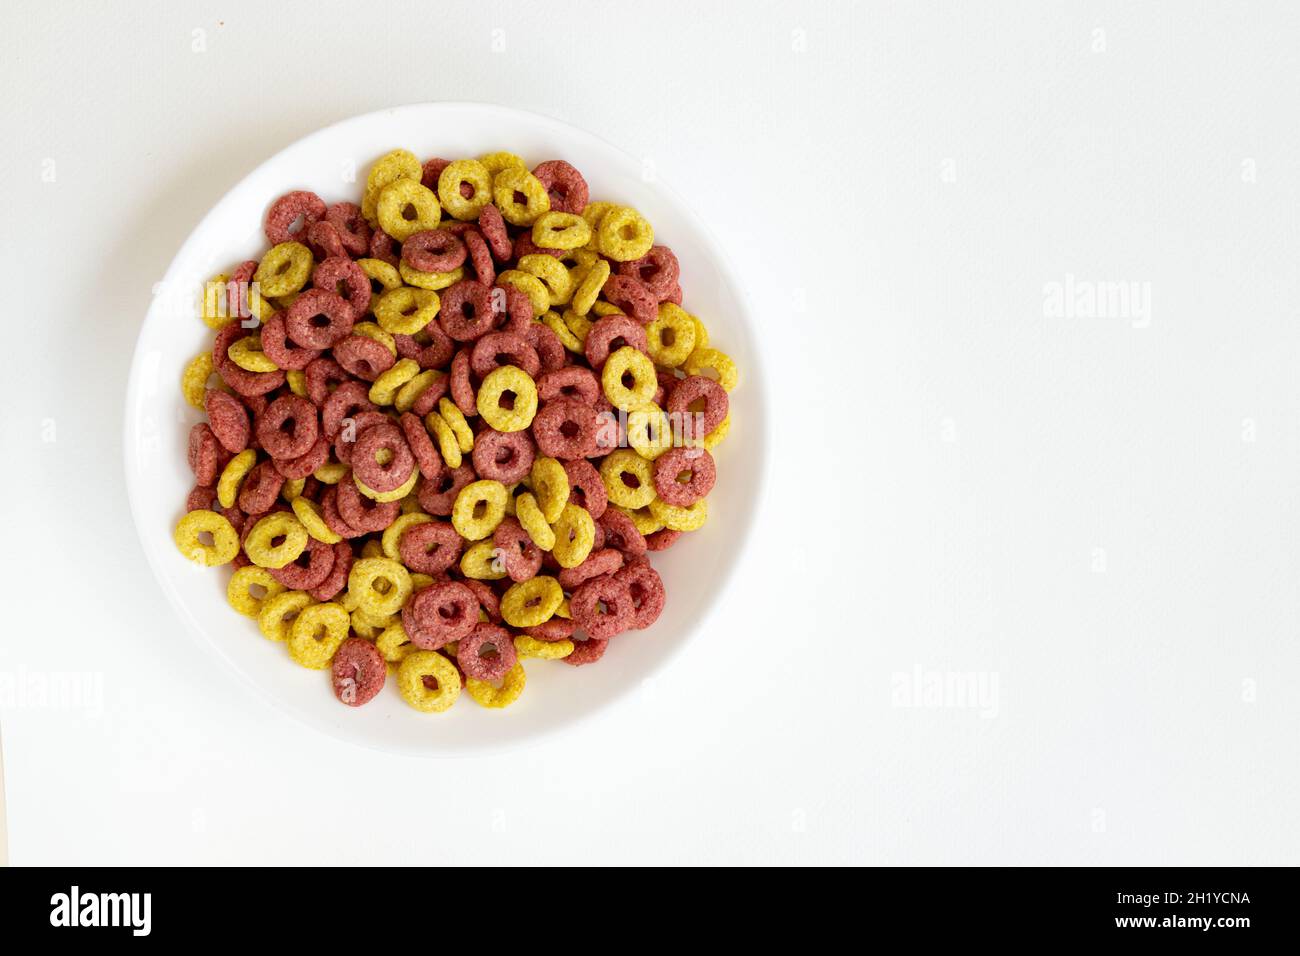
332, 162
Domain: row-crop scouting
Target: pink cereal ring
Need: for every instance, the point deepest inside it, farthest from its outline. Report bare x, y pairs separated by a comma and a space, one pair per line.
684, 475
693, 390
487, 653
465, 312
524, 246
288, 210
364, 357
517, 315
565, 428
302, 466
260, 488
205, 454
462, 389
428, 399
342, 276
382, 246
357, 672
430, 548
346, 440
487, 599
433, 355
432, 170
427, 458
439, 495
657, 270
365, 458
602, 607
564, 185
480, 256
503, 348
229, 420
344, 402
662, 540
324, 240
493, 227
586, 652
608, 335
550, 351
310, 569
572, 381
323, 375
304, 319
288, 428
605, 561
521, 558
361, 512
587, 488
278, 348
632, 297
646, 591
439, 614
556, 629
337, 579
621, 533
353, 230
503, 456
201, 498
330, 514
434, 250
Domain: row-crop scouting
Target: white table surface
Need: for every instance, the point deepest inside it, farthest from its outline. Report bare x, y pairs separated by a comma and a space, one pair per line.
1093, 518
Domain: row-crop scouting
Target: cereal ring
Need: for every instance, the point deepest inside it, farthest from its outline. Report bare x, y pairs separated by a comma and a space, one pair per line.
378, 471
561, 230
550, 483
380, 585
282, 526
493, 227
565, 188
358, 672
575, 535
572, 381
497, 161
195, 527
194, 380
531, 519
432, 170
434, 250
286, 211
430, 547
340, 275
556, 629
304, 577
393, 644
279, 612
516, 551
683, 476
589, 289
622, 533
309, 513
428, 681
624, 234
239, 592
649, 431
609, 334
604, 561
497, 349
682, 400
670, 338
433, 281
629, 478
439, 495
552, 274
232, 475
351, 226
720, 363
288, 428
364, 357
507, 399
658, 270
406, 311
302, 321
603, 607
487, 653
306, 464
566, 428
228, 419
503, 456
479, 508
628, 379
451, 414
467, 311
586, 652
335, 581
403, 196
631, 298
586, 489
284, 353
421, 446
539, 296
440, 614
316, 634
469, 173
480, 257
418, 384
520, 196
202, 497
259, 489
486, 695
284, 269
646, 591
481, 561
362, 512
526, 646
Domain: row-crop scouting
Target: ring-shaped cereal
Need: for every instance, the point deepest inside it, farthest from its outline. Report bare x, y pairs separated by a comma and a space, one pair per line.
561, 230
405, 310
434, 250
565, 186
372, 330
316, 634
624, 234
714, 438
683, 476
309, 513
300, 320
691, 423
284, 269
381, 460
479, 508
239, 592
503, 381
539, 295
260, 544
512, 181
588, 290
511, 687
481, 561
418, 667
649, 431
526, 646
677, 518
455, 419
550, 484
658, 270
721, 364
529, 603
629, 379
194, 380
279, 612
471, 173
358, 672
506, 457
448, 445
409, 393
399, 493
402, 195
288, 427
365, 580
607, 335
394, 644
530, 516
551, 272
383, 276
433, 281
398, 164
233, 475
384, 389
575, 536
557, 325
629, 479
670, 338
496, 161
486, 667
391, 539
192, 528
429, 546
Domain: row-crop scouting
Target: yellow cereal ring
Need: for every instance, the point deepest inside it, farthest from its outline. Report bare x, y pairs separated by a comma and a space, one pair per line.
482, 562
279, 612
362, 627
392, 536
381, 585
291, 489
701, 333
497, 161
330, 473
399, 164
309, 514
247, 354
239, 592
394, 644
448, 445
479, 508
411, 673
232, 475
550, 272
644, 521
670, 338
526, 646
507, 379
284, 269
430, 280
515, 180
278, 524
194, 380
579, 325
385, 387
550, 483
297, 382
629, 478
575, 534
190, 533
374, 623
629, 362
478, 177
533, 522
317, 633
624, 234
556, 324
529, 603
676, 518
405, 311
505, 695
384, 273
561, 230
452, 415
527, 283
603, 308
584, 297
563, 610
215, 311
704, 359
649, 431
411, 504
408, 393
400, 197
373, 331
714, 438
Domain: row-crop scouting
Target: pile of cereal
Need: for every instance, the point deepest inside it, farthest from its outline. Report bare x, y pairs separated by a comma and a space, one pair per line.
445, 427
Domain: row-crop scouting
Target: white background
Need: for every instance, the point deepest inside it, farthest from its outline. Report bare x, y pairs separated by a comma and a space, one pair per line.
1095, 516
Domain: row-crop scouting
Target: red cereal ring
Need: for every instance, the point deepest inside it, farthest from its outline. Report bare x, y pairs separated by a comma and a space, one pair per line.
289, 427
503, 348
465, 311
346, 440
259, 489
709, 394
310, 569
365, 457
357, 672
428, 399
431, 547
353, 230
517, 314
301, 467
586, 487
437, 496
324, 240
604, 561
487, 653
684, 475
572, 381
236, 519
344, 402
418, 441
524, 246
342, 276
434, 250
330, 514
433, 355
609, 334
204, 454
602, 607
322, 375
431, 171
364, 357
621, 533
674, 295
662, 540
565, 428
303, 319
646, 590
521, 558
362, 513
503, 456
278, 348
564, 185
288, 210
439, 614
382, 247
632, 297
487, 599
229, 420
550, 351
556, 629
480, 256
201, 498
240, 379
462, 389
586, 652
337, 579
493, 227
657, 270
